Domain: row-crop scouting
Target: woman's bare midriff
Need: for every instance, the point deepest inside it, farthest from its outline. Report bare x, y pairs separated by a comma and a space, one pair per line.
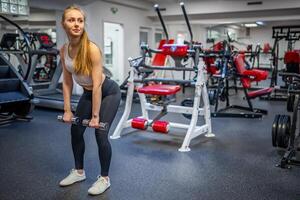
91, 87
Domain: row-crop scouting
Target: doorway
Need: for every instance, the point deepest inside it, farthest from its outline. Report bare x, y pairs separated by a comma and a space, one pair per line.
114, 50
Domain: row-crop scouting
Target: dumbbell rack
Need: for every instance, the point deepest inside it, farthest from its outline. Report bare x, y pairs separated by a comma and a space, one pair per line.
285, 133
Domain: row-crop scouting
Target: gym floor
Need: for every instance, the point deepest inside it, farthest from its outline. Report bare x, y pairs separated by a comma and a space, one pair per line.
239, 163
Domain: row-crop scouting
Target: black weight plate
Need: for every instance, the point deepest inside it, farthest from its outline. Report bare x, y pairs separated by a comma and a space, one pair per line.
288, 132
187, 103
274, 130
279, 125
282, 132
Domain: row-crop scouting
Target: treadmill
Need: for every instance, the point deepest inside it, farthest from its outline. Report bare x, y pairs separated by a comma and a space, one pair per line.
44, 75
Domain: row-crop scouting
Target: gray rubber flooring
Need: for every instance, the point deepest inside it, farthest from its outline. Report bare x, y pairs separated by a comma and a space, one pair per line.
238, 164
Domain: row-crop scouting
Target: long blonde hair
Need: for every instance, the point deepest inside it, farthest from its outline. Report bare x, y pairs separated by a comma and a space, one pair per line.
82, 60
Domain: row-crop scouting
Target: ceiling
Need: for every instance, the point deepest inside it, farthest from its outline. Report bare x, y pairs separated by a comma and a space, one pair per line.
173, 14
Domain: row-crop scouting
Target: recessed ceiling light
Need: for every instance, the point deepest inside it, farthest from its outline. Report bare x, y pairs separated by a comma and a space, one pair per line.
260, 23
250, 25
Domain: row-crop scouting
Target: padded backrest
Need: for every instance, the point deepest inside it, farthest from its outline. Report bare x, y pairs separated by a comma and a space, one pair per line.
239, 62
175, 50
292, 60
159, 58
291, 57
267, 48
218, 46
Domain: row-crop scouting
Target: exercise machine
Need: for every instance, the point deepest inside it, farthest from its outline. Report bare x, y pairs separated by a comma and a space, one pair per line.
291, 34
285, 128
15, 95
44, 74
161, 90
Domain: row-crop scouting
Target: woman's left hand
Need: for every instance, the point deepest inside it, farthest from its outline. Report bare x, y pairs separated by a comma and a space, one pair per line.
94, 123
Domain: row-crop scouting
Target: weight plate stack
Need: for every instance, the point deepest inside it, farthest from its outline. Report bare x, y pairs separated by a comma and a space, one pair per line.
274, 130
283, 131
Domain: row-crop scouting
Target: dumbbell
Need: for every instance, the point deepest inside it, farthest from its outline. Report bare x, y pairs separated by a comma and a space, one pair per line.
85, 122
74, 120
102, 126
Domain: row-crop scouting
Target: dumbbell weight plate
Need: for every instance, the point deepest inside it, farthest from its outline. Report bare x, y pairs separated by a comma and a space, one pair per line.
274, 130
187, 103
282, 137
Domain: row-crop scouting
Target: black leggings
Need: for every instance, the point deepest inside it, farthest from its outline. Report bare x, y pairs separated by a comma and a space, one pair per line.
111, 97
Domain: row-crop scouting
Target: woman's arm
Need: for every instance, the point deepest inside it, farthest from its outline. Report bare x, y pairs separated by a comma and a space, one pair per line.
97, 69
67, 83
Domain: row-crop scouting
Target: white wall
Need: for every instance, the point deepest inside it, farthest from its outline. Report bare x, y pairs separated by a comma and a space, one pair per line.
131, 19
199, 32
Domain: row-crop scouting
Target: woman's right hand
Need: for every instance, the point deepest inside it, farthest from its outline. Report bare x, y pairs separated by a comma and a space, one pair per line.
68, 117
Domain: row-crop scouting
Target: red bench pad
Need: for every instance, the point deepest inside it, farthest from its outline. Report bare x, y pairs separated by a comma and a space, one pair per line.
261, 92
159, 89
176, 50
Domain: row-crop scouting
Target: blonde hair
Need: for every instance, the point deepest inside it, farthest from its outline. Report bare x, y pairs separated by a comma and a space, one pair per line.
82, 60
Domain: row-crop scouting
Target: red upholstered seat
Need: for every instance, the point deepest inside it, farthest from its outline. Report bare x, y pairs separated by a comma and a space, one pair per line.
159, 89
248, 76
261, 92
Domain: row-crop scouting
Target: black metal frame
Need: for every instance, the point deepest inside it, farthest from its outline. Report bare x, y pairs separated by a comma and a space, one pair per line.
26, 42
223, 84
290, 34
290, 153
251, 111
11, 117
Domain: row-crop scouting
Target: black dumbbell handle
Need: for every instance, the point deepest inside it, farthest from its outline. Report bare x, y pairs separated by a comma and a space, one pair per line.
74, 120
103, 126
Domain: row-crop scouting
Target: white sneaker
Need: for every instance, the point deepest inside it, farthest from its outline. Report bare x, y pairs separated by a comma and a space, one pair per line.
73, 177
99, 186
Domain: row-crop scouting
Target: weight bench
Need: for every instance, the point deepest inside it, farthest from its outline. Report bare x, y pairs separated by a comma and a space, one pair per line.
246, 78
159, 100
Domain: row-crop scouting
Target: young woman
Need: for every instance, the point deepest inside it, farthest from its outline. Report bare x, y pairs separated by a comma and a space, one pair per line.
82, 61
